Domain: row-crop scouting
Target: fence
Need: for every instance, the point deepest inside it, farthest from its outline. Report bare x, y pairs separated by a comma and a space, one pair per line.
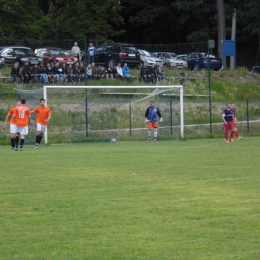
123, 116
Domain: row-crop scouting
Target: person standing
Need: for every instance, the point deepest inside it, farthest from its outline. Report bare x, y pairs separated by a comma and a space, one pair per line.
22, 118
91, 52
228, 119
232, 107
151, 118
12, 123
43, 116
76, 51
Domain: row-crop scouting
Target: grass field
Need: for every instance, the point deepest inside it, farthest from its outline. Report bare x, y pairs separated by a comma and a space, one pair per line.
194, 200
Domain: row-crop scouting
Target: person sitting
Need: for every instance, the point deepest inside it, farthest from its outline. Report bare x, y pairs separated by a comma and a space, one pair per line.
160, 72
82, 74
43, 75
59, 73
152, 72
126, 72
65, 71
95, 71
110, 73
26, 72
119, 71
50, 73
15, 73
146, 77
36, 73
89, 72
102, 72
70, 71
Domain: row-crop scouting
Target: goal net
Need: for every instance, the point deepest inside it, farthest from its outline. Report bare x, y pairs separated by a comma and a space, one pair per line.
98, 113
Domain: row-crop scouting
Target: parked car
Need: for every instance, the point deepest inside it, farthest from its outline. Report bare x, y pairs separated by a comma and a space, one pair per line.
82, 53
2, 62
54, 55
13, 54
202, 60
109, 54
149, 58
170, 60
181, 57
255, 69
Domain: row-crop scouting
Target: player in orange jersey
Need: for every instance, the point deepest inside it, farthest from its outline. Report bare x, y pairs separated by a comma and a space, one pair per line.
22, 118
12, 123
42, 119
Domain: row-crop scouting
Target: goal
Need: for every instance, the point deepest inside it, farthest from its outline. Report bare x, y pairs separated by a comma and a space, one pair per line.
99, 113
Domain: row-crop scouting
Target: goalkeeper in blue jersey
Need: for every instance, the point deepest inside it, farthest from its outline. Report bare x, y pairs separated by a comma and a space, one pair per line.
151, 118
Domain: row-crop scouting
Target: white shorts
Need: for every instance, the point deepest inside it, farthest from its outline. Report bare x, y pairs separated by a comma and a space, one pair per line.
22, 130
13, 129
41, 128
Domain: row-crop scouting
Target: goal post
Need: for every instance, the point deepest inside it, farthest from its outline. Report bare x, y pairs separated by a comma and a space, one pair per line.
99, 113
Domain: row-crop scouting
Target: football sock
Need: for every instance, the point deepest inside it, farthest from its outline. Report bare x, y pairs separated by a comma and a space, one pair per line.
22, 142
12, 142
226, 136
155, 134
40, 138
37, 139
236, 133
232, 135
149, 133
16, 141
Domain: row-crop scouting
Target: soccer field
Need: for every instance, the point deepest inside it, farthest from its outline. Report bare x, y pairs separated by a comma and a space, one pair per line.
194, 200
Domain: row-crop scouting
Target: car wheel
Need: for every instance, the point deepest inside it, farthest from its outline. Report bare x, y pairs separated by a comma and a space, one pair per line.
196, 67
111, 63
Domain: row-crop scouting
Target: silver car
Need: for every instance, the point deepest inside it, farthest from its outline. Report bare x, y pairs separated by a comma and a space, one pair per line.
169, 60
149, 58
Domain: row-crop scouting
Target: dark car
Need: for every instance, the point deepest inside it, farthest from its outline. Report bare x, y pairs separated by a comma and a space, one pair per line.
255, 69
110, 54
202, 60
54, 55
13, 54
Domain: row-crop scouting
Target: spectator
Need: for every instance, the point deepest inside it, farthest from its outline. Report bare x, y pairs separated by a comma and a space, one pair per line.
160, 72
36, 73
152, 72
76, 72
82, 72
89, 72
70, 74
95, 71
43, 75
102, 72
146, 77
91, 52
65, 71
26, 72
50, 73
110, 72
59, 73
76, 50
126, 72
15, 73
119, 71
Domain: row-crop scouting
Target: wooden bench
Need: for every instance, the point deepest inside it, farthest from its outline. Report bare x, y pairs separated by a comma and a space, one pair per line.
186, 95
119, 94
182, 79
5, 78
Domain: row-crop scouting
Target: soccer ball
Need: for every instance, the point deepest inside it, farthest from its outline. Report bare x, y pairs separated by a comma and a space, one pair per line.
113, 140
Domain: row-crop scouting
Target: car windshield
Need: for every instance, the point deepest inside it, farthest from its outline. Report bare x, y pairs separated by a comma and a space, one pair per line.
58, 52
23, 52
146, 53
128, 48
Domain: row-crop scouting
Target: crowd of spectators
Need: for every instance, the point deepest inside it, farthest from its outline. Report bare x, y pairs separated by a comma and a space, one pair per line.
70, 74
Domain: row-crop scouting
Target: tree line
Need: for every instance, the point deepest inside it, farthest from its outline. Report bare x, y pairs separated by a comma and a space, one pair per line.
136, 21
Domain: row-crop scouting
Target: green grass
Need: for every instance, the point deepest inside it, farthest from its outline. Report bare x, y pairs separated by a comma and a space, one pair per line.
196, 199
